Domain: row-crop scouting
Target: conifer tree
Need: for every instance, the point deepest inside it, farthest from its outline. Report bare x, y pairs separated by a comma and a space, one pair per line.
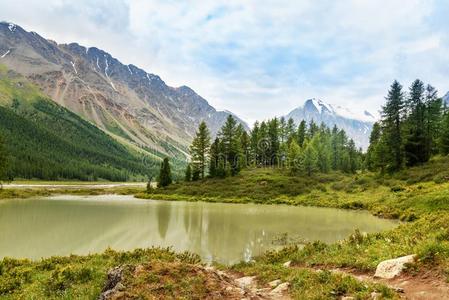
294, 157
290, 131
370, 159
301, 133
310, 159
231, 145
254, 141
188, 175
433, 119
415, 143
199, 150
282, 130
165, 177
444, 134
352, 156
273, 137
214, 158
392, 117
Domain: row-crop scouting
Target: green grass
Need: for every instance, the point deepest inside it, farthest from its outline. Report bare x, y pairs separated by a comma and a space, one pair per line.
74, 277
422, 205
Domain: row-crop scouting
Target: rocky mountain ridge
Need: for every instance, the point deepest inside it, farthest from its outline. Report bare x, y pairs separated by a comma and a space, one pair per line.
134, 106
357, 126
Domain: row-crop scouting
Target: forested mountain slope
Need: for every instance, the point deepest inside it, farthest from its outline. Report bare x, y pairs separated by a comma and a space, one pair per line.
123, 100
46, 141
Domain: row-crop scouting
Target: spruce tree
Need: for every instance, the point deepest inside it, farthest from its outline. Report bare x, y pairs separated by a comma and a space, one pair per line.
310, 159
294, 157
165, 177
352, 156
273, 136
415, 143
231, 145
290, 130
370, 159
444, 134
254, 142
392, 117
301, 133
199, 150
433, 119
188, 175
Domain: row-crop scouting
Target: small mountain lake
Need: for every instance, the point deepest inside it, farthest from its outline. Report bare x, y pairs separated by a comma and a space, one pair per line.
226, 233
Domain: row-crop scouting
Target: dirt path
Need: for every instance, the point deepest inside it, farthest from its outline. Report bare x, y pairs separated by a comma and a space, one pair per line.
424, 286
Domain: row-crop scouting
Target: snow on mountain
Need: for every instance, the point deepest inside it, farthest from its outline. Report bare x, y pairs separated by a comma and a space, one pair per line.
324, 107
358, 125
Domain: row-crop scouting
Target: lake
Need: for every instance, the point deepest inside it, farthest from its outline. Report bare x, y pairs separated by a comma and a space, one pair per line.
226, 233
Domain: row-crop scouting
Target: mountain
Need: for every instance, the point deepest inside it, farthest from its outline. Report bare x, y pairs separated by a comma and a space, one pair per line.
357, 126
47, 141
135, 107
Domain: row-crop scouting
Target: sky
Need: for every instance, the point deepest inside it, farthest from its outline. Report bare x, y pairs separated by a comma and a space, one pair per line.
260, 59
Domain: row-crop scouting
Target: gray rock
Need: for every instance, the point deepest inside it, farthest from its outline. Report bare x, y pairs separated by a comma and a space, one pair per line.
393, 267
375, 295
246, 282
280, 289
275, 283
287, 264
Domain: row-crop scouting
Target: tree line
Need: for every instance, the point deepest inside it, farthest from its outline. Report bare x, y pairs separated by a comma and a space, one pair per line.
414, 126
303, 149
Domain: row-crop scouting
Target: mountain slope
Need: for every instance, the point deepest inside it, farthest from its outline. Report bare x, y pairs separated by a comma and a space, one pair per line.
358, 127
123, 100
47, 141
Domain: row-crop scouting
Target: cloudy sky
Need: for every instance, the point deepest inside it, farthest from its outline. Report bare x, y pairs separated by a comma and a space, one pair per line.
260, 58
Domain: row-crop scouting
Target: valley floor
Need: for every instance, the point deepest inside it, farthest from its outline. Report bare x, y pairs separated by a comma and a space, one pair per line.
418, 196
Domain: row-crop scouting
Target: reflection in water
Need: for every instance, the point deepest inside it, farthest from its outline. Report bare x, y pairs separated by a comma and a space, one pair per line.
226, 233
163, 218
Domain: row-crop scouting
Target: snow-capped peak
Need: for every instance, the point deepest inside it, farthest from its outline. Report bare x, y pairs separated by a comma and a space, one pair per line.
332, 109
12, 27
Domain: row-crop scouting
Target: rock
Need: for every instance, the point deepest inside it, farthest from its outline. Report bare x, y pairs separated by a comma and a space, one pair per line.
275, 283
347, 298
246, 282
280, 289
376, 295
114, 277
393, 267
287, 264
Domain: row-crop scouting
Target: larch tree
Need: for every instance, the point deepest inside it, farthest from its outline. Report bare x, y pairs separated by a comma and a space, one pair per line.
199, 150
165, 177
392, 117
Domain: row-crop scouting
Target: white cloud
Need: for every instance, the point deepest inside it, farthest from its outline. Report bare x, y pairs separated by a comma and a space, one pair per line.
260, 58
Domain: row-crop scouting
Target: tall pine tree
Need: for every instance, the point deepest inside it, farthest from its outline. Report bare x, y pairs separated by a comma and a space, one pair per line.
392, 117
165, 177
199, 150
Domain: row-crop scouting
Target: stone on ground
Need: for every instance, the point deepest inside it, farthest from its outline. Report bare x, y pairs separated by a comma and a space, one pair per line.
393, 267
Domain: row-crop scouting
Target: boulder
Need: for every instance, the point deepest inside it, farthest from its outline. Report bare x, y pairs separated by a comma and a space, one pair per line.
246, 282
275, 283
287, 264
393, 267
280, 289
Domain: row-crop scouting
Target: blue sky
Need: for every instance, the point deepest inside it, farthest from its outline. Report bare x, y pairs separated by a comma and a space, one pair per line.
260, 58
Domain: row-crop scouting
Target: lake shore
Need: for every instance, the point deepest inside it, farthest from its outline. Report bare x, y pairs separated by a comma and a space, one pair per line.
419, 197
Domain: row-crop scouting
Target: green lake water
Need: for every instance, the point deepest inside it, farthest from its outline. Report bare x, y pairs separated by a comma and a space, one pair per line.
227, 233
